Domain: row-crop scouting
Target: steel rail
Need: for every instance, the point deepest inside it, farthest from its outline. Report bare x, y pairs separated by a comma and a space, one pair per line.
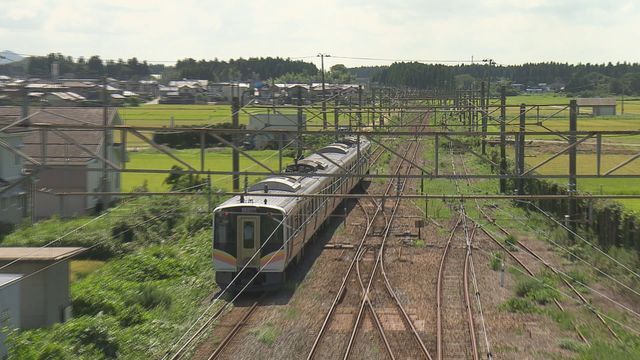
379, 258
233, 332
343, 285
439, 290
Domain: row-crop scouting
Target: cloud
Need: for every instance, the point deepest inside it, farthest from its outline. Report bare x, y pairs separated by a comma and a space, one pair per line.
510, 31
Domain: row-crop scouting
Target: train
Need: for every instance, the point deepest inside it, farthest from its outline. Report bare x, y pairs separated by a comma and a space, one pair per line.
276, 228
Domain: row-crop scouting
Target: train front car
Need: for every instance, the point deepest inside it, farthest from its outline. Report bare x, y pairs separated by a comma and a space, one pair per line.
257, 235
250, 236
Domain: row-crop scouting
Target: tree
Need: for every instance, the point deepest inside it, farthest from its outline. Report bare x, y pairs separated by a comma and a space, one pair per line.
178, 181
95, 67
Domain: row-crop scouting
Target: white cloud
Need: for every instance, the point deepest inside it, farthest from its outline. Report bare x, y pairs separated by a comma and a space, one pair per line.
510, 31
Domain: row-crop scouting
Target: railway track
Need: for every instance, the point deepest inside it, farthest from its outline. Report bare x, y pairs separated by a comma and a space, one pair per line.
512, 255
453, 301
374, 295
233, 331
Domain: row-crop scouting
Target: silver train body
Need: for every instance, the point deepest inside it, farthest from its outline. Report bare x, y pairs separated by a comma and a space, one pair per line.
278, 228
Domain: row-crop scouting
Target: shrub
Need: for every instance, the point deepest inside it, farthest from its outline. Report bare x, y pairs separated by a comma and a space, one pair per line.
496, 261
97, 332
536, 289
519, 305
511, 242
149, 297
132, 315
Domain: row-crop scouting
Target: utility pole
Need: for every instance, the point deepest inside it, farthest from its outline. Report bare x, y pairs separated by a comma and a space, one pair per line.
105, 144
235, 155
572, 186
299, 142
483, 97
520, 151
324, 103
491, 63
503, 139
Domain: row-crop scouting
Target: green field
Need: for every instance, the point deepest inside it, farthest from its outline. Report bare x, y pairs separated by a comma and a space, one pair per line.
556, 118
189, 115
218, 160
586, 164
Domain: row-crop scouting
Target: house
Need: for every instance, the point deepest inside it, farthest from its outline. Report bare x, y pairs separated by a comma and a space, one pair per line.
598, 106
225, 91
70, 160
9, 306
273, 122
148, 89
13, 184
43, 278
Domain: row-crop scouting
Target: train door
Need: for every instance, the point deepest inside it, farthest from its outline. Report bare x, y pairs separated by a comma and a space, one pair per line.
248, 240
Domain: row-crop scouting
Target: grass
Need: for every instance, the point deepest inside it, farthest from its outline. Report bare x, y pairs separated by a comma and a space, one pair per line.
219, 160
79, 269
164, 115
266, 333
136, 304
586, 164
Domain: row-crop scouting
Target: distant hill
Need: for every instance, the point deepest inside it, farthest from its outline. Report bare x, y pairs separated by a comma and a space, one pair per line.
7, 57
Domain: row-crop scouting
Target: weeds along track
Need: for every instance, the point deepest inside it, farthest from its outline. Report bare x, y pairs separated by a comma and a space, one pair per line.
482, 213
241, 316
363, 317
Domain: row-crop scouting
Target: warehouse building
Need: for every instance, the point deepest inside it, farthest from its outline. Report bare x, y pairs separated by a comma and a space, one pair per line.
597, 106
43, 292
9, 307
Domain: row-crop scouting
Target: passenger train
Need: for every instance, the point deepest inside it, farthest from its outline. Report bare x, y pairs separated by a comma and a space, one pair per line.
279, 227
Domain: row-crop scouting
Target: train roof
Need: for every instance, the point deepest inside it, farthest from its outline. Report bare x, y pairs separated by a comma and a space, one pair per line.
327, 160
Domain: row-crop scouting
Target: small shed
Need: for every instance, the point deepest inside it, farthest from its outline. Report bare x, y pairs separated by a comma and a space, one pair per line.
9, 307
599, 106
44, 286
268, 122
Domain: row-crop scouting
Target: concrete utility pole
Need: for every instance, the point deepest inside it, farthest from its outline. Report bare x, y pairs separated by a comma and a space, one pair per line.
235, 155
299, 142
105, 144
520, 149
572, 187
503, 138
324, 103
491, 63
483, 97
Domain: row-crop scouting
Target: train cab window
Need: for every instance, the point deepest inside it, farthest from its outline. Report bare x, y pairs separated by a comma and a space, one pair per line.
248, 235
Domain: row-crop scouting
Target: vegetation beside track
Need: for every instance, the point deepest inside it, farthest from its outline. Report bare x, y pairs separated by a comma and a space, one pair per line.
534, 296
146, 293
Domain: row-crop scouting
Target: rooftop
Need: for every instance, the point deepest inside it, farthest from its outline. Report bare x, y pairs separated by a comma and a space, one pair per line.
38, 253
596, 101
8, 278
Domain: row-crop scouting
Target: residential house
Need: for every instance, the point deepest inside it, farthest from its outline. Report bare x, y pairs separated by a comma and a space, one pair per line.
13, 186
70, 160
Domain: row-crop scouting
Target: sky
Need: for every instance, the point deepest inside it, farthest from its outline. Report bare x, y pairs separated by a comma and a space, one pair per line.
508, 31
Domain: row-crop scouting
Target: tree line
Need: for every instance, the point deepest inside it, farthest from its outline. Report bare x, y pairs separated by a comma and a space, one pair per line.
585, 79
269, 69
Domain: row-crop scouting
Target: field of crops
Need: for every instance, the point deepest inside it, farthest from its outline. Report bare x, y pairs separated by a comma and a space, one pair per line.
218, 160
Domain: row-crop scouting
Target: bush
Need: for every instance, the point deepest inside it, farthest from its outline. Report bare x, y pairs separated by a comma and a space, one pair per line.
149, 297
496, 261
96, 332
511, 242
537, 290
519, 305
132, 315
